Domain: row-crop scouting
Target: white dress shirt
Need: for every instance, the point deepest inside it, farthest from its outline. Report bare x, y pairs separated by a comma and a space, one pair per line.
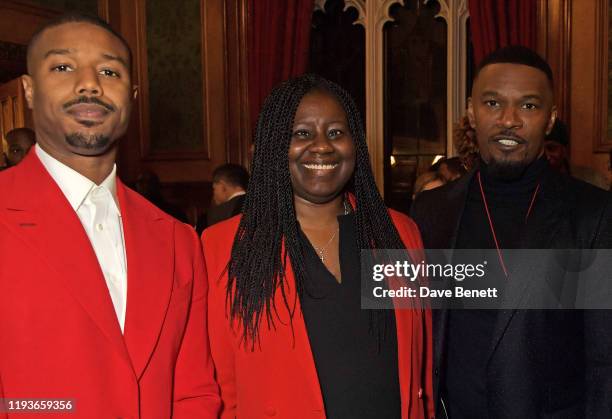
97, 207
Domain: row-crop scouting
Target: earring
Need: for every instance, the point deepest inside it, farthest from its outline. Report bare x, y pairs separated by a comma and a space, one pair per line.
347, 207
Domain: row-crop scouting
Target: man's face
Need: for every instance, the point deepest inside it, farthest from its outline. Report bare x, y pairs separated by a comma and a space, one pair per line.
220, 193
322, 151
18, 147
511, 110
78, 89
447, 174
555, 153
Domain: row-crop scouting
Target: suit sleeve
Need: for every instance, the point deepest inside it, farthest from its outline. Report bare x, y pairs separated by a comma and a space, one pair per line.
411, 237
195, 390
428, 396
221, 339
598, 338
598, 348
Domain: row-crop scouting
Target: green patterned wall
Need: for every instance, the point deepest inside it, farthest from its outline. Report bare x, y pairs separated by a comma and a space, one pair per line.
174, 39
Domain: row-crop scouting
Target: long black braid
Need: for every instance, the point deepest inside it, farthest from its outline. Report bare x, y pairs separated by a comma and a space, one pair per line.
256, 269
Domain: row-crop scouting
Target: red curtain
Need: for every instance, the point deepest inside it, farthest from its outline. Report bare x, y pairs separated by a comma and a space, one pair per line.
498, 23
278, 40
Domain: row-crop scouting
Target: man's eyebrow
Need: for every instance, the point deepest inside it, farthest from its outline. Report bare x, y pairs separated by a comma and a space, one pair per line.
533, 96
66, 51
489, 93
529, 96
57, 52
115, 58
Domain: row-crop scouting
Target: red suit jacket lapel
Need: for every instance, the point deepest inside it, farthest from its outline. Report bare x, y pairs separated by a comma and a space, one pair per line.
42, 216
149, 242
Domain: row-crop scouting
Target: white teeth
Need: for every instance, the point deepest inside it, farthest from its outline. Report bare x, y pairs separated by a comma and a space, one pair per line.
321, 166
508, 142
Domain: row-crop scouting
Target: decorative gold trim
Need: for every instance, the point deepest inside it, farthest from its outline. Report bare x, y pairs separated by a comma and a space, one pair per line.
319, 5
360, 6
456, 57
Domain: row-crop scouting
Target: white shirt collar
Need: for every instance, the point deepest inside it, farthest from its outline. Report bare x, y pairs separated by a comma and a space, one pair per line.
235, 194
74, 185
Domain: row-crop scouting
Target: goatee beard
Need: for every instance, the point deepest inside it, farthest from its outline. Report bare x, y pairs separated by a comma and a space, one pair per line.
88, 142
506, 170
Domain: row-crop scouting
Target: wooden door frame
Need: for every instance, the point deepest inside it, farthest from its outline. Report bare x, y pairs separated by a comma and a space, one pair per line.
225, 78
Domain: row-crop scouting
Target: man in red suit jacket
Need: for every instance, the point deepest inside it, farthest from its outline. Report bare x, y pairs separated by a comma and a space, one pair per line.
102, 295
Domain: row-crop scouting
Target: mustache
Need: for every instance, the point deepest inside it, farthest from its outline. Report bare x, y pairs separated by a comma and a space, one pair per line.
506, 133
85, 99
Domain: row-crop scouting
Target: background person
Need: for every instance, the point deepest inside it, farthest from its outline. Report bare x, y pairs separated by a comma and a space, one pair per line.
19, 141
229, 184
450, 169
555, 148
464, 140
425, 182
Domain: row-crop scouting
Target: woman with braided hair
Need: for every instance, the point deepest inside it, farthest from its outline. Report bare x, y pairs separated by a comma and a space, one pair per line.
287, 333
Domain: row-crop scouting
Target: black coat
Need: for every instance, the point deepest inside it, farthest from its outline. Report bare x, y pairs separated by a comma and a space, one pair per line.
218, 213
225, 210
541, 363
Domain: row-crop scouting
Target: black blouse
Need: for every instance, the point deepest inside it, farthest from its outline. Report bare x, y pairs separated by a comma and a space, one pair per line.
359, 379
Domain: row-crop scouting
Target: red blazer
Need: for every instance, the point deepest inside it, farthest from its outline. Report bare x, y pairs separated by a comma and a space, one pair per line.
59, 335
279, 377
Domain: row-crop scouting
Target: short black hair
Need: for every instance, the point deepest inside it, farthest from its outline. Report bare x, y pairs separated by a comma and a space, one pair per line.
30, 135
74, 17
234, 174
516, 54
454, 165
559, 133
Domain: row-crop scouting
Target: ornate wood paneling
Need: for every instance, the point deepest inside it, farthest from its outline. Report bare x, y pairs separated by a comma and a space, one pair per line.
602, 140
588, 89
554, 44
136, 151
19, 20
186, 175
238, 119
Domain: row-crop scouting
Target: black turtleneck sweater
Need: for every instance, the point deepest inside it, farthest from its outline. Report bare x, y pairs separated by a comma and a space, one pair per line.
469, 331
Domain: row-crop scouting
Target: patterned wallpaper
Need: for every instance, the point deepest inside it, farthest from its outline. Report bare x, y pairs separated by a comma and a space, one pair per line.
174, 39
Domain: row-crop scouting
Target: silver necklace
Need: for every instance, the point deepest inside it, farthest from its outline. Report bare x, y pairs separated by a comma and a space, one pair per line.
321, 250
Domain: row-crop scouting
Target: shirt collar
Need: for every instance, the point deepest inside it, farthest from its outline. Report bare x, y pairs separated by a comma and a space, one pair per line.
235, 194
74, 185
